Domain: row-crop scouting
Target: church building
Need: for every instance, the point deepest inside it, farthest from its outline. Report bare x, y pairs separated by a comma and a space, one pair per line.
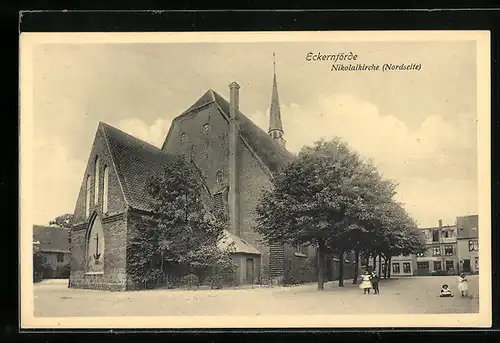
234, 156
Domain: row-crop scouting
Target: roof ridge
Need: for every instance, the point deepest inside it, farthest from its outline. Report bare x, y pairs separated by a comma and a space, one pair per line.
102, 126
108, 126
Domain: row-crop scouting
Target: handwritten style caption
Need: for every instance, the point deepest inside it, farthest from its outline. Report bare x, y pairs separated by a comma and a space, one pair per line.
349, 63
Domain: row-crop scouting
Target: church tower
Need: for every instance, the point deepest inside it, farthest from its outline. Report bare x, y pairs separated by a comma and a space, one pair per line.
275, 124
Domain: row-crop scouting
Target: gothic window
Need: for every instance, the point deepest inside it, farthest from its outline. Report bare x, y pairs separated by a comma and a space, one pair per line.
96, 181
406, 268
218, 177
473, 246
436, 251
183, 137
87, 197
206, 129
105, 190
95, 247
396, 268
448, 250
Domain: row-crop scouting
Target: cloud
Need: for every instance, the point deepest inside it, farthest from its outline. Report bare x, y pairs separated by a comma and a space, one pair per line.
434, 163
57, 180
154, 134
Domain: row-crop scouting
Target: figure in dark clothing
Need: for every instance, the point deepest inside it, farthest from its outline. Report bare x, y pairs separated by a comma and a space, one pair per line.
375, 281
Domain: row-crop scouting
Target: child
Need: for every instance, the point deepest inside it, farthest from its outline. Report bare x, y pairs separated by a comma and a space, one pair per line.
365, 282
462, 285
375, 283
445, 292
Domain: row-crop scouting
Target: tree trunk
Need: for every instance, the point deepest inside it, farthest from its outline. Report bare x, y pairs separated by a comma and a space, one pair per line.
386, 267
356, 268
367, 259
374, 262
341, 268
379, 265
321, 266
389, 268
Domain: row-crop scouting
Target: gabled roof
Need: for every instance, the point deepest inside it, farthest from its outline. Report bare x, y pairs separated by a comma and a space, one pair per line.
51, 238
269, 151
135, 161
240, 245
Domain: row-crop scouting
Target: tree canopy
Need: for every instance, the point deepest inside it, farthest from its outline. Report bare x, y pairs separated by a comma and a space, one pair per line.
332, 198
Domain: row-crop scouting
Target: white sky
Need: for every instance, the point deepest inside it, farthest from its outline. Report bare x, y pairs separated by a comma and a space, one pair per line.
419, 127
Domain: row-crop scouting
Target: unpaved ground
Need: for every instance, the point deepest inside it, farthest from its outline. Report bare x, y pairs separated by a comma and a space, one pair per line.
413, 295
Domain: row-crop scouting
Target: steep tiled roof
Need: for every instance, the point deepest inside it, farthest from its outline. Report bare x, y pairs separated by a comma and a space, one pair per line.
51, 238
240, 245
268, 150
134, 160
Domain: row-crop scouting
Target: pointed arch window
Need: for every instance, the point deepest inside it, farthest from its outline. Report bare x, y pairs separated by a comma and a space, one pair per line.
183, 137
96, 181
218, 177
95, 247
105, 190
88, 185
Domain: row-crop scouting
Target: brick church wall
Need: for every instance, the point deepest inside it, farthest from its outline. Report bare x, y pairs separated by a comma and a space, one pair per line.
253, 180
210, 151
113, 222
114, 276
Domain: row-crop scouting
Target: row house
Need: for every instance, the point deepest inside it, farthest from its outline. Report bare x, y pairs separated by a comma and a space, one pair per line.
441, 255
468, 243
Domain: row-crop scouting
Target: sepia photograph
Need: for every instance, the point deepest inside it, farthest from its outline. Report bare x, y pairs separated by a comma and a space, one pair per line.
252, 180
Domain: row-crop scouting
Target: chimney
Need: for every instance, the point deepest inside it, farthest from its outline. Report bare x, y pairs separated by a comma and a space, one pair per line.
440, 223
234, 192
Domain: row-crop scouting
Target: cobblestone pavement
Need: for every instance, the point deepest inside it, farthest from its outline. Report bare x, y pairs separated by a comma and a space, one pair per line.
411, 295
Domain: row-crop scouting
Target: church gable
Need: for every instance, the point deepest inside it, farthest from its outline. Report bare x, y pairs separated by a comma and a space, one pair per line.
100, 190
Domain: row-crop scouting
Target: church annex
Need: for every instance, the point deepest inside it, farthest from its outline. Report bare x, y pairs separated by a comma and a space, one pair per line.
236, 158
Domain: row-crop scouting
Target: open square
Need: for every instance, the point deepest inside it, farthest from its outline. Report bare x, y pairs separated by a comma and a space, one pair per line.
413, 295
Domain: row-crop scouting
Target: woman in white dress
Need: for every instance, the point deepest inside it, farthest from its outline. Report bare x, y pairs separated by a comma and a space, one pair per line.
462, 285
366, 284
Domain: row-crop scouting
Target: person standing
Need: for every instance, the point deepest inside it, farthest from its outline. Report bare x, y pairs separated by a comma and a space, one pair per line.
365, 284
462, 285
375, 280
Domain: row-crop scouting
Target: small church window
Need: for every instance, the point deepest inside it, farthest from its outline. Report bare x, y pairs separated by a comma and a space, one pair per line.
183, 137
206, 129
96, 181
219, 177
87, 196
105, 190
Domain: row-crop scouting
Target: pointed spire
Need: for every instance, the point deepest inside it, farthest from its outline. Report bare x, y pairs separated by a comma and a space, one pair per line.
275, 125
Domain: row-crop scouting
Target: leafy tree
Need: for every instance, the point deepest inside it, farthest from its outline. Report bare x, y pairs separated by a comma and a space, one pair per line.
179, 231
64, 220
316, 199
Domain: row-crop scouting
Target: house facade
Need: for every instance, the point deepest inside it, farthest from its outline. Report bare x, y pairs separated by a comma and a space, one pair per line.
468, 243
235, 158
441, 253
401, 265
52, 243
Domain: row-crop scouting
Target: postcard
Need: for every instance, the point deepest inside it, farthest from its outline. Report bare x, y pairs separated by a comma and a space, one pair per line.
332, 179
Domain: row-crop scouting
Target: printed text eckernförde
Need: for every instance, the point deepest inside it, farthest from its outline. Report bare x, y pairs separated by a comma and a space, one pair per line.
350, 59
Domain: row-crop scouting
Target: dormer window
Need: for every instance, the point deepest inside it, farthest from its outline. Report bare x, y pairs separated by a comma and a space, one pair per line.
218, 177
206, 129
183, 137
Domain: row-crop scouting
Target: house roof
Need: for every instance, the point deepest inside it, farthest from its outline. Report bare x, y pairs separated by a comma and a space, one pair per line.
51, 238
240, 245
135, 161
272, 154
